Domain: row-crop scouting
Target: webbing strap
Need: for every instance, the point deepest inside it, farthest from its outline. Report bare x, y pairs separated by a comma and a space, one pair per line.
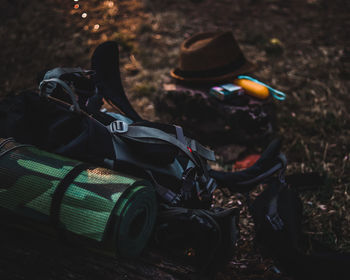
261, 177
59, 71
165, 193
148, 134
180, 134
201, 150
14, 148
194, 145
60, 190
272, 213
67, 88
5, 141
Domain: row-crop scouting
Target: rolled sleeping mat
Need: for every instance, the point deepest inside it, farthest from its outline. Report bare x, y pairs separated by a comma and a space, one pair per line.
102, 209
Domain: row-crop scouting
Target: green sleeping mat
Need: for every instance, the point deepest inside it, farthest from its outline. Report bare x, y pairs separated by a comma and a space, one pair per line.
102, 209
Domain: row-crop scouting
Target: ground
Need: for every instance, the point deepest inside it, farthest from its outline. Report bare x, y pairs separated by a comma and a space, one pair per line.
301, 47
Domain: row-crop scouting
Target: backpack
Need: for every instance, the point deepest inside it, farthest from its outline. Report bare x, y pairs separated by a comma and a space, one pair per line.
66, 118
204, 238
277, 215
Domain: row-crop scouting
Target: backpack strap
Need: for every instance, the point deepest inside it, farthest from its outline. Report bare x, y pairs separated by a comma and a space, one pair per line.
60, 190
272, 214
147, 134
194, 145
180, 134
47, 86
144, 134
200, 149
58, 72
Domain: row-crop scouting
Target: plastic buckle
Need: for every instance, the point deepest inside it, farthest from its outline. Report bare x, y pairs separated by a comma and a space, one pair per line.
118, 127
172, 198
205, 192
211, 186
275, 221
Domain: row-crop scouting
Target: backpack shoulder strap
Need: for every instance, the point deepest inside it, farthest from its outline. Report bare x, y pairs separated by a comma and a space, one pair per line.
147, 134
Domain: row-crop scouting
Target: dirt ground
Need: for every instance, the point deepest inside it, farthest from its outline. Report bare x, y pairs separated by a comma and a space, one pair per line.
301, 47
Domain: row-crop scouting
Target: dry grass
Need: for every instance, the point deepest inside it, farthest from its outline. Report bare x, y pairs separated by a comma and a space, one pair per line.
300, 47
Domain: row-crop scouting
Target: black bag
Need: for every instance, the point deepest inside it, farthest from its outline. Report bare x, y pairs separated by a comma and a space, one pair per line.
277, 214
205, 238
74, 126
57, 122
52, 126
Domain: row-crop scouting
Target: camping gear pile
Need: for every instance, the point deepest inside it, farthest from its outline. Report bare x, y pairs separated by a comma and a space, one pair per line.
211, 64
108, 206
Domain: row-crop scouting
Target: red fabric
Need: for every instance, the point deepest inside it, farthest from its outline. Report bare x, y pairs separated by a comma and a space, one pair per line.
247, 162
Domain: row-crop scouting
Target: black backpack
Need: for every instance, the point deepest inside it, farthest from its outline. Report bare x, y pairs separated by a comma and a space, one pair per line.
277, 214
66, 118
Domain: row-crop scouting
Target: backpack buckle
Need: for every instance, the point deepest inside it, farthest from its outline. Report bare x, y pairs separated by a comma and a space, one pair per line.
118, 127
205, 189
275, 221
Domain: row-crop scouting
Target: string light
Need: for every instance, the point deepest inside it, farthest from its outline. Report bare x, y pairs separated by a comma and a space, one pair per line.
110, 4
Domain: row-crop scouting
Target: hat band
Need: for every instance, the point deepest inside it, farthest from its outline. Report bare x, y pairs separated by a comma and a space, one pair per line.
214, 72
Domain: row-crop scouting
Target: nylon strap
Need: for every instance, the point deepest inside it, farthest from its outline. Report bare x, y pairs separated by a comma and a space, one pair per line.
201, 150
14, 148
165, 193
67, 88
194, 145
272, 214
5, 141
60, 190
149, 134
180, 134
59, 71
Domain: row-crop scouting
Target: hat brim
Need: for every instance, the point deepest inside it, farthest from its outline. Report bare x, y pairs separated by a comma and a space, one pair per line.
247, 67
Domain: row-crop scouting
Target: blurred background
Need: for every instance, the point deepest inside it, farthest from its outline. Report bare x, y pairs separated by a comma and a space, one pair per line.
301, 47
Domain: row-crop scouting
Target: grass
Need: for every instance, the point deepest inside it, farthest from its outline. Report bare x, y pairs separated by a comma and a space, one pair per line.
309, 61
